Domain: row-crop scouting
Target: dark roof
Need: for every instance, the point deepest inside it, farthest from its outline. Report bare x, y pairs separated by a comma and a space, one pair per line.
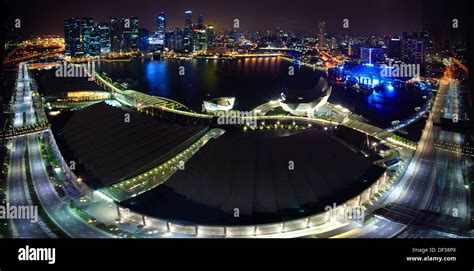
303, 95
251, 173
49, 84
110, 150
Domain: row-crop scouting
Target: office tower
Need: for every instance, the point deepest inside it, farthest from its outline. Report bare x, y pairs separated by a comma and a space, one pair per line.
174, 40
104, 33
333, 44
114, 35
144, 39
394, 47
200, 40
161, 28
210, 35
86, 31
188, 32
72, 37
134, 33
322, 34
169, 40
200, 23
418, 54
427, 42
200, 35
178, 34
372, 55
413, 49
125, 34
95, 44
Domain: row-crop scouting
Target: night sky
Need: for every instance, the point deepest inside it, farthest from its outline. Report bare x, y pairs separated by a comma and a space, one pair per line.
377, 17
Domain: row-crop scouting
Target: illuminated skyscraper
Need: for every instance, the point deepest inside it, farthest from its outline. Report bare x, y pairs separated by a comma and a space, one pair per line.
134, 33
200, 35
125, 34
161, 28
372, 55
114, 35
210, 35
322, 34
199, 22
87, 26
188, 32
174, 39
95, 45
394, 47
104, 32
413, 49
72, 37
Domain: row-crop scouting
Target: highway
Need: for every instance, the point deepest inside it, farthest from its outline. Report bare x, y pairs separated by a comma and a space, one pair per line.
431, 200
18, 192
17, 187
434, 180
56, 209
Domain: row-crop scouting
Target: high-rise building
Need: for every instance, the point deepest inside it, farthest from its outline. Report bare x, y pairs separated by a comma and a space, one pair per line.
134, 33
200, 40
115, 35
427, 42
104, 33
413, 49
188, 32
169, 40
333, 43
87, 26
72, 37
199, 21
161, 28
178, 34
210, 35
322, 34
95, 44
200, 35
174, 40
372, 55
144, 39
125, 34
394, 47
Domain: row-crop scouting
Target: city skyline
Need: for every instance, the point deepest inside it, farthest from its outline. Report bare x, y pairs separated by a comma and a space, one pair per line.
238, 119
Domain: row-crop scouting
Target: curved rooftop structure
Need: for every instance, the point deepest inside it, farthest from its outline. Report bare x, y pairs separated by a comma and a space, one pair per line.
299, 101
249, 172
107, 149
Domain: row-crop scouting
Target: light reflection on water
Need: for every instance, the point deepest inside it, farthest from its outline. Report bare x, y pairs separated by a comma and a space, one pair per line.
253, 81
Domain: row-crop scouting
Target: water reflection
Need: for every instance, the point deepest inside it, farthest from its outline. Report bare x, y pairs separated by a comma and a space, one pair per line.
156, 74
252, 81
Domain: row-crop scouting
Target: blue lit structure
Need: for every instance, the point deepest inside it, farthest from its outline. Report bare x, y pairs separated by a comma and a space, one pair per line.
365, 75
368, 75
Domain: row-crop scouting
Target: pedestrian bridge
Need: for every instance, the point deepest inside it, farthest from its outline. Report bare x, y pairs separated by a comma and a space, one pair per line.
141, 101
